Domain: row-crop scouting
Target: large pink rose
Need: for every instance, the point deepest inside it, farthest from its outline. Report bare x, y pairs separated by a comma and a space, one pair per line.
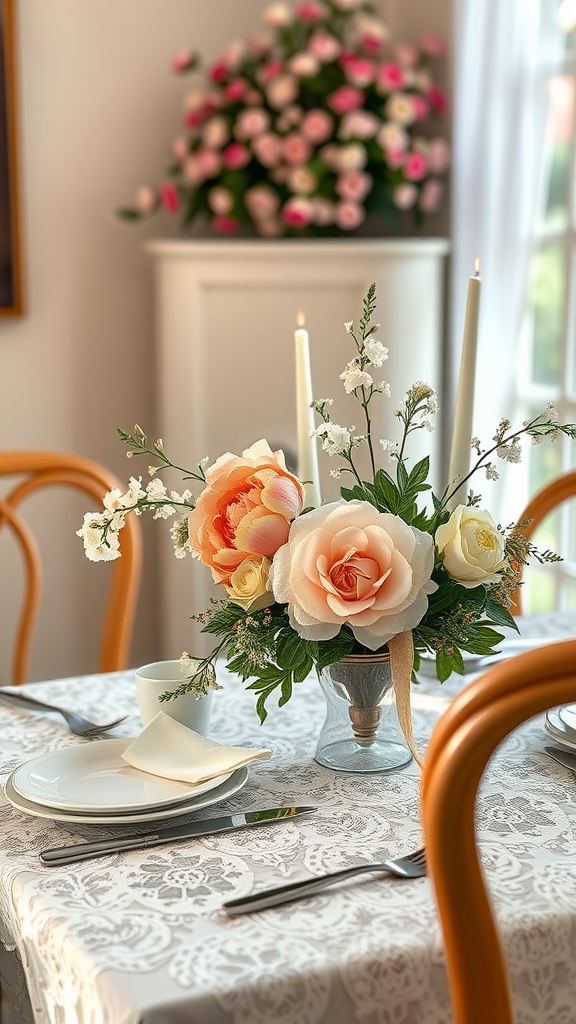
245, 509
348, 563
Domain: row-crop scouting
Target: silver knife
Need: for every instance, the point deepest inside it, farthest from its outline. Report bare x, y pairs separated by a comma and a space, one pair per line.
202, 827
564, 757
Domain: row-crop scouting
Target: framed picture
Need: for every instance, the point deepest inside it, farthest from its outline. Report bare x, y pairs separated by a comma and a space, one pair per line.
11, 297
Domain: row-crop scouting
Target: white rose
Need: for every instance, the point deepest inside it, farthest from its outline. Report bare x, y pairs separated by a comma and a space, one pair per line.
472, 547
249, 584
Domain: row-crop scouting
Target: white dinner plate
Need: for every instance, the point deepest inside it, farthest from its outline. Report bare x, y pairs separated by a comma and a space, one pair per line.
92, 778
567, 715
236, 781
556, 728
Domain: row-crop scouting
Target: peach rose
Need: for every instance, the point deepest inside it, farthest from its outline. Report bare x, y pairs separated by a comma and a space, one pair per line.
245, 510
348, 563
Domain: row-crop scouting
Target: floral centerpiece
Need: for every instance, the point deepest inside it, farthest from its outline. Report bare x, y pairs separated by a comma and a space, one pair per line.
307, 128
389, 566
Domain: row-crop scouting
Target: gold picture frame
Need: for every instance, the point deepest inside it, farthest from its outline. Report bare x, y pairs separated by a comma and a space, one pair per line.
11, 275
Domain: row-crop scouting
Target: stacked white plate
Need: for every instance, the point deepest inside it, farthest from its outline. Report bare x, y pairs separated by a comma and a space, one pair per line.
560, 723
92, 784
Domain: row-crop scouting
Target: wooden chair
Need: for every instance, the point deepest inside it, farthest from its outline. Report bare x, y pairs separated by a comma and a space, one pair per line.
479, 718
36, 470
544, 502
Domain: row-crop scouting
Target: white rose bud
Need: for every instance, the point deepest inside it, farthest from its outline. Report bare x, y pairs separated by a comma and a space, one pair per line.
472, 547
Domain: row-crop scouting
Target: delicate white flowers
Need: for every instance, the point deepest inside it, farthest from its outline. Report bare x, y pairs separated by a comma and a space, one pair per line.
101, 544
375, 351
354, 377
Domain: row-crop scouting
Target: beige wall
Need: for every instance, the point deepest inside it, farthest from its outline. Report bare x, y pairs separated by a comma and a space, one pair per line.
98, 108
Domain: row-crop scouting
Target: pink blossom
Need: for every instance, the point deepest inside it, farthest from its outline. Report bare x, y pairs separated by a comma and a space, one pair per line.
220, 200
438, 155
226, 225
233, 54
297, 212
358, 70
348, 215
322, 211
391, 76
346, 98
236, 89
276, 15
218, 72
145, 199
182, 61
261, 202
317, 126
269, 71
437, 100
395, 156
301, 180
180, 148
305, 65
191, 170
404, 196
420, 108
324, 46
354, 185
432, 45
254, 98
310, 11
251, 121
351, 157
295, 148
282, 90
267, 148
258, 45
215, 132
415, 166
359, 124
406, 55
431, 196
371, 43
169, 197
209, 162
236, 155
193, 118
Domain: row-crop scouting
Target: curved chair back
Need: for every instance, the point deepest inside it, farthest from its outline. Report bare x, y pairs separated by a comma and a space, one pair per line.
476, 722
35, 470
544, 502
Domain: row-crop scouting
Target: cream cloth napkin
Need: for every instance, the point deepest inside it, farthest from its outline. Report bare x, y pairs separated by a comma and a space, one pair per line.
169, 749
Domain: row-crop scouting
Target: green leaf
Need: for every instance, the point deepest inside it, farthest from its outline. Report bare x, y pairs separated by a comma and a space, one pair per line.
497, 613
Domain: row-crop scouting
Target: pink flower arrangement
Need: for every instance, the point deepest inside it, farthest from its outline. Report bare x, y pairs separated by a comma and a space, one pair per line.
323, 92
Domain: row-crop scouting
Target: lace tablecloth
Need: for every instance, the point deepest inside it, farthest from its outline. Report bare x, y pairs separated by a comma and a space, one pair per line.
141, 937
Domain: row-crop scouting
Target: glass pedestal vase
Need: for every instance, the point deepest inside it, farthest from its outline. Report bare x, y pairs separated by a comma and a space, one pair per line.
361, 732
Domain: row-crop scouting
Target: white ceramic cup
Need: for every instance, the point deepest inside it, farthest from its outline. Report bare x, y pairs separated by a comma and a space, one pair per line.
165, 676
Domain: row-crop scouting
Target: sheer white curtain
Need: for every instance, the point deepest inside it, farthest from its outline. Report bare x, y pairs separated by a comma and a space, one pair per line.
501, 48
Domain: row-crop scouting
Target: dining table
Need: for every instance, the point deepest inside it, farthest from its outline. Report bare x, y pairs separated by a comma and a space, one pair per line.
141, 937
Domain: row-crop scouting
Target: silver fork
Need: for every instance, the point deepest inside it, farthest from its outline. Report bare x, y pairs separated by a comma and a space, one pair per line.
78, 725
411, 866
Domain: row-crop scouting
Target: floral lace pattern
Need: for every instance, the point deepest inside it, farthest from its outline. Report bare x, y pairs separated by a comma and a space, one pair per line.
111, 940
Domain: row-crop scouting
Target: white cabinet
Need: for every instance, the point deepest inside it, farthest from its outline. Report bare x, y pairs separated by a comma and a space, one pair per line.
226, 313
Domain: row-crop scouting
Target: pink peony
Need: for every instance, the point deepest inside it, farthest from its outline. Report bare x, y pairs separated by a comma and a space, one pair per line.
209, 163
406, 55
267, 148
345, 98
169, 197
431, 196
437, 100
236, 89
297, 212
358, 70
348, 215
295, 148
415, 166
310, 11
420, 108
354, 185
182, 61
225, 225
359, 124
348, 563
405, 195
245, 509
438, 155
324, 46
251, 121
218, 72
236, 155
261, 202
220, 200
276, 15
270, 71
390, 77
304, 65
317, 126
215, 132
282, 91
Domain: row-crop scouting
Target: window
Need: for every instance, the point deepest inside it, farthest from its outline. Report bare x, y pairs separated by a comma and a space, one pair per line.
547, 370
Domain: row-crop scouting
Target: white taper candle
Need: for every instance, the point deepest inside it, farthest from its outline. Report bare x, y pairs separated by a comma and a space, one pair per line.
464, 409
307, 445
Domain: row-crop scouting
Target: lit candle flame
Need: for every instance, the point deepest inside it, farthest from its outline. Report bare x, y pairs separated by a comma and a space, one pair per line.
300, 319
477, 267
